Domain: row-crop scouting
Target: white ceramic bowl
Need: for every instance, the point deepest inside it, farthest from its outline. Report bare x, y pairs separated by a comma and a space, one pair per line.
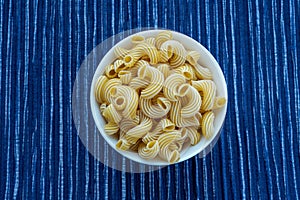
206, 60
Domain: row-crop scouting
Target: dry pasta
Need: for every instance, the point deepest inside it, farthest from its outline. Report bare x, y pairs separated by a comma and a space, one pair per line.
156, 97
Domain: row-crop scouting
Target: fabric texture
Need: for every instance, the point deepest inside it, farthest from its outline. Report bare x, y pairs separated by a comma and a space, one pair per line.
42, 45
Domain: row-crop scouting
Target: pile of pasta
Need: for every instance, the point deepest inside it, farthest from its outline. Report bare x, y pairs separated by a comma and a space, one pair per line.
155, 97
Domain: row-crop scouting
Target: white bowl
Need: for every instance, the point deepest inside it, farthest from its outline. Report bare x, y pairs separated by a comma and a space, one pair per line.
207, 60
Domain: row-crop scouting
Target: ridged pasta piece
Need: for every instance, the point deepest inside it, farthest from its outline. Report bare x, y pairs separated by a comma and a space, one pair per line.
119, 103
193, 135
121, 52
164, 125
125, 77
171, 85
194, 101
219, 102
111, 114
164, 69
102, 107
135, 147
123, 144
192, 57
149, 50
107, 89
137, 39
207, 125
110, 71
179, 52
165, 140
119, 65
179, 121
150, 150
158, 110
187, 71
163, 37
151, 41
139, 131
131, 58
156, 79
207, 89
131, 97
111, 128
203, 73
166, 53
138, 83
126, 125
99, 88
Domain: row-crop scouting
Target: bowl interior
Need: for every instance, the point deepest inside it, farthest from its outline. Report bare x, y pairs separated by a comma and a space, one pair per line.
206, 60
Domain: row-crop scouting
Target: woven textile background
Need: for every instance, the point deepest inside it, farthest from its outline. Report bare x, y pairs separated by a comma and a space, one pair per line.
257, 44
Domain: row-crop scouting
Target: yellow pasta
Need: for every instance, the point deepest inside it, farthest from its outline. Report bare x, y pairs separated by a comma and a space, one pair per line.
187, 71
192, 57
207, 125
150, 150
156, 79
121, 52
99, 88
193, 135
171, 85
136, 39
207, 88
156, 98
163, 37
202, 73
110, 71
111, 128
179, 52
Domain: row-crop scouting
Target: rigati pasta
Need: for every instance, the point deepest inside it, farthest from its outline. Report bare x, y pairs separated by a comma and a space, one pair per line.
156, 97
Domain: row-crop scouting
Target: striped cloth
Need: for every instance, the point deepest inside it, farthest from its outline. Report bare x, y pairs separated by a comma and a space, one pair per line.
42, 45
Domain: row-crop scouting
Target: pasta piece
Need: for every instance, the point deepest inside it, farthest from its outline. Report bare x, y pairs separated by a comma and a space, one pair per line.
139, 131
156, 79
193, 135
166, 53
194, 101
203, 73
111, 128
207, 89
99, 87
121, 52
137, 39
207, 125
165, 140
119, 103
150, 150
155, 110
107, 89
111, 114
179, 52
135, 147
219, 102
138, 83
123, 144
131, 97
171, 85
125, 77
192, 57
126, 125
119, 65
163, 37
102, 107
187, 71
149, 50
164, 69
164, 125
151, 41
179, 121
110, 71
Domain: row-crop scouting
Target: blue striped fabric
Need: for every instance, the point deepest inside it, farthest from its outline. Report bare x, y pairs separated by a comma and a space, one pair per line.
43, 43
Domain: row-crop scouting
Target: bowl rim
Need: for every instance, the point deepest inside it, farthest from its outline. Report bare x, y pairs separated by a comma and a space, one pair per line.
108, 138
